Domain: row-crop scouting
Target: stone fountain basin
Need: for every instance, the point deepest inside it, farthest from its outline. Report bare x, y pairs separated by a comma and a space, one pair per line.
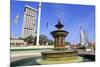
59, 32
59, 55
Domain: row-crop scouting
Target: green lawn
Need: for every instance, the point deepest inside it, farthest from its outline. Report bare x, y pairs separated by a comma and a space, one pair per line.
30, 49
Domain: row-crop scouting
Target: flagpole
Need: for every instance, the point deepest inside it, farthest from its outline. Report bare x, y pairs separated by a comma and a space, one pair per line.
15, 23
38, 27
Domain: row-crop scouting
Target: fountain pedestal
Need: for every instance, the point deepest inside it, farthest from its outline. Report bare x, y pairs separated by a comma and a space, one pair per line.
59, 36
59, 54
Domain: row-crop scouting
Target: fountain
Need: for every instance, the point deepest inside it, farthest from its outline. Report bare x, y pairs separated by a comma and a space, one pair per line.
59, 54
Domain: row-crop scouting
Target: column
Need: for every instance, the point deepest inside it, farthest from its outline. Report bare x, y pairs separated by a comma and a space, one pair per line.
56, 42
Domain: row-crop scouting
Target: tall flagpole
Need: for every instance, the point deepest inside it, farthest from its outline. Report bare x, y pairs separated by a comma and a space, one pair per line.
15, 23
38, 27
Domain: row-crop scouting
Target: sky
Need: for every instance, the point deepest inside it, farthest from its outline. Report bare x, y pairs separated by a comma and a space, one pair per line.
72, 16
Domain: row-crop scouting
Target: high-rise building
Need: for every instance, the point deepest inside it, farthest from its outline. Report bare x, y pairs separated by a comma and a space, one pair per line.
84, 38
29, 21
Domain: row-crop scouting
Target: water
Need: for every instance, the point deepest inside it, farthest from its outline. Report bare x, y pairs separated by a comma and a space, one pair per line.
88, 58
32, 61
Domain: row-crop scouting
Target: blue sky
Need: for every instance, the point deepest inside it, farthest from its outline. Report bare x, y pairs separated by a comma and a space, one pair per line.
72, 17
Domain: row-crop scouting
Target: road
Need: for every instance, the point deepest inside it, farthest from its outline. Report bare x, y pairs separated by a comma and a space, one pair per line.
86, 52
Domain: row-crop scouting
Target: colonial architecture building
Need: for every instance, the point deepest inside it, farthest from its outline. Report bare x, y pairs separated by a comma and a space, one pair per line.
17, 42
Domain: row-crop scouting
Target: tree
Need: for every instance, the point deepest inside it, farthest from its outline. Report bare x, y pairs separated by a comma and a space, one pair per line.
34, 42
43, 39
50, 42
29, 39
20, 38
67, 43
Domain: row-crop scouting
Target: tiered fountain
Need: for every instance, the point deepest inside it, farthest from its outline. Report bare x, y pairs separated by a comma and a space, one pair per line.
59, 54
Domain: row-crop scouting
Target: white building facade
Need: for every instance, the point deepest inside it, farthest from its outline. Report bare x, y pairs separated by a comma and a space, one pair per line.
84, 38
29, 22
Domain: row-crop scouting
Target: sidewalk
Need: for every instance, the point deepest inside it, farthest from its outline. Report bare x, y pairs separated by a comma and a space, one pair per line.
31, 47
19, 55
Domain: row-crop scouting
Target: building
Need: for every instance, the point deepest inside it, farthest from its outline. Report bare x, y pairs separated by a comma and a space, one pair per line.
29, 22
83, 38
17, 42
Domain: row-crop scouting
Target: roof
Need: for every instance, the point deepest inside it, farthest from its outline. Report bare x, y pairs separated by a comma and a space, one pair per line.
27, 6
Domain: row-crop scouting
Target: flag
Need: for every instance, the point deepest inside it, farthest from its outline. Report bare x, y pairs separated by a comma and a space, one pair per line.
80, 27
47, 24
16, 18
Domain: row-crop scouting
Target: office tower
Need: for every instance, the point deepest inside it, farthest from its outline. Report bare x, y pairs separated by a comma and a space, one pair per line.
83, 38
29, 22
